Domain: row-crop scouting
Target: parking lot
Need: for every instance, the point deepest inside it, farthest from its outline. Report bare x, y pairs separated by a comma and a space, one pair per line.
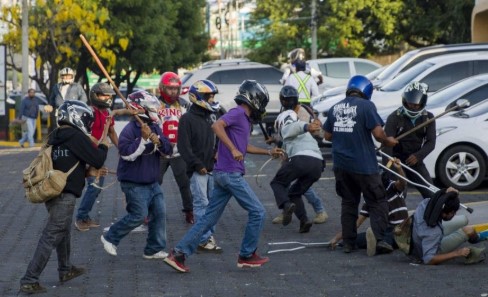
313, 271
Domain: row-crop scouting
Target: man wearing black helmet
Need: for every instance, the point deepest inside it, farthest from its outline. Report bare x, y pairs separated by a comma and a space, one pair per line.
350, 124
233, 130
71, 147
101, 100
413, 148
305, 161
289, 101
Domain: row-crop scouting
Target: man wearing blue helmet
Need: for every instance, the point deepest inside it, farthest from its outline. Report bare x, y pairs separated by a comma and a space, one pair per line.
350, 124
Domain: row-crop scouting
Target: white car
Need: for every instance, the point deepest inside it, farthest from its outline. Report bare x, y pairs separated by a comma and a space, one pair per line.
436, 72
337, 71
460, 156
474, 89
229, 76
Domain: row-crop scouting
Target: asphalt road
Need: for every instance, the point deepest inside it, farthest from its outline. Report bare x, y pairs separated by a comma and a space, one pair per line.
312, 271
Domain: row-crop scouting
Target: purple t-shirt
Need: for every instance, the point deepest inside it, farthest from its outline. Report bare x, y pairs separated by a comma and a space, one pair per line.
238, 130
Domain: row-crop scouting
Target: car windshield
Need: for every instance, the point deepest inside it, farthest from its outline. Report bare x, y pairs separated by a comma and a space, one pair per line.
389, 71
451, 92
403, 79
474, 111
186, 77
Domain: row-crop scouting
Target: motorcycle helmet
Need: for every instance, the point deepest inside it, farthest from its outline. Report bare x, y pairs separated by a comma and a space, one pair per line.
255, 96
101, 89
201, 91
360, 84
288, 97
414, 93
76, 114
67, 75
148, 102
296, 54
169, 79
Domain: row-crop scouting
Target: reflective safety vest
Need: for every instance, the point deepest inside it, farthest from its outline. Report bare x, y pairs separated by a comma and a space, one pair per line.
302, 89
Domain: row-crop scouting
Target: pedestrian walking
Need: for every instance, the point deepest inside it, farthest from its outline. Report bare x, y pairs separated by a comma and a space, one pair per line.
29, 111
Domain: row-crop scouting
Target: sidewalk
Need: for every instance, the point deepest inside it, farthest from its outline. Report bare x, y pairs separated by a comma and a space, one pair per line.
313, 271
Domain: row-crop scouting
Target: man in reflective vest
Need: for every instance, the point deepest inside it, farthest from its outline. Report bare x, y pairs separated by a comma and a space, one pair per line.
303, 82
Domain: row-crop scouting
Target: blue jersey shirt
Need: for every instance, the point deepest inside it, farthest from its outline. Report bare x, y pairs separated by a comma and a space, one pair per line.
351, 122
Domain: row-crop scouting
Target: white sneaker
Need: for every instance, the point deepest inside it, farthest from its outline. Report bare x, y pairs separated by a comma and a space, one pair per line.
158, 255
140, 228
109, 247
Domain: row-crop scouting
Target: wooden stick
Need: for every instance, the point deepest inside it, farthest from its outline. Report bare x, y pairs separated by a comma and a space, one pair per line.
107, 76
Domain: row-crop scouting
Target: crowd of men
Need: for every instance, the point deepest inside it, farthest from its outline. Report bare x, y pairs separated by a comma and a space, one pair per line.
206, 150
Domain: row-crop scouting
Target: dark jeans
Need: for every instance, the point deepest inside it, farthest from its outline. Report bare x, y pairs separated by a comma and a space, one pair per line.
178, 166
56, 235
305, 170
349, 187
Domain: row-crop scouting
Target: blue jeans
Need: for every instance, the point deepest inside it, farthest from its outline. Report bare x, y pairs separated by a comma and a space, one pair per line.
56, 235
226, 186
314, 200
201, 188
142, 201
29, 134
89, 198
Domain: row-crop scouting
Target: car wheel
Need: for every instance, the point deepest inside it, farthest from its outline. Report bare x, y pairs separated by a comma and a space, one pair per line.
461, 167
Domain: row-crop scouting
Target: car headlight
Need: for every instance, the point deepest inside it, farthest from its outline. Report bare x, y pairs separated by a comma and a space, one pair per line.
441, 131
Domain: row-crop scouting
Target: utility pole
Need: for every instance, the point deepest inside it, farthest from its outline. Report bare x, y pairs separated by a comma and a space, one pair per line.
25, 47
313, 24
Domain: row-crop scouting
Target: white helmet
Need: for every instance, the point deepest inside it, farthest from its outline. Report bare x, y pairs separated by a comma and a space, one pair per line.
63, 73
296, 54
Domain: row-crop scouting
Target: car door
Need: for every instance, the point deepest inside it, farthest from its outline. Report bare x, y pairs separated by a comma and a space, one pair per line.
447, 74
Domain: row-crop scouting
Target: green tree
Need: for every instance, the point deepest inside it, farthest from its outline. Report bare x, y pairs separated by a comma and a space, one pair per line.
345, 28
163, 35
436, 22
54, 42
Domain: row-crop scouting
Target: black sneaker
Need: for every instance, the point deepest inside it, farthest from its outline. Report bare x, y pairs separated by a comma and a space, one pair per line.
305, 226
288, 210
34, 288
383, 247
73, 273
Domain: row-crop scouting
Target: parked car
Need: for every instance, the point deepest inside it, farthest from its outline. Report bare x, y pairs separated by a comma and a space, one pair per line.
228, 79
337, 71
342, 89
436, 72
460, 156
474, 89
413, 57
410, 59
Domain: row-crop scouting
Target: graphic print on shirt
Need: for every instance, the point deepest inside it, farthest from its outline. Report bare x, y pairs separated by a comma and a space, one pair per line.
345, 117
171, 115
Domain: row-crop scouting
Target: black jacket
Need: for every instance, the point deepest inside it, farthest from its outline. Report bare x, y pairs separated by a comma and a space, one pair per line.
420, 143
71, 145
196, 139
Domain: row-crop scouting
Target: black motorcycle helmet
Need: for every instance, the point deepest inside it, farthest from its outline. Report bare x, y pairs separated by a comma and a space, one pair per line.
288, 97
414, 93
77, 114
101, 89
255, 96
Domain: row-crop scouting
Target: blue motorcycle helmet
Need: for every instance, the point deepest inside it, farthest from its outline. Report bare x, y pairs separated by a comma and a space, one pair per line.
361, 85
